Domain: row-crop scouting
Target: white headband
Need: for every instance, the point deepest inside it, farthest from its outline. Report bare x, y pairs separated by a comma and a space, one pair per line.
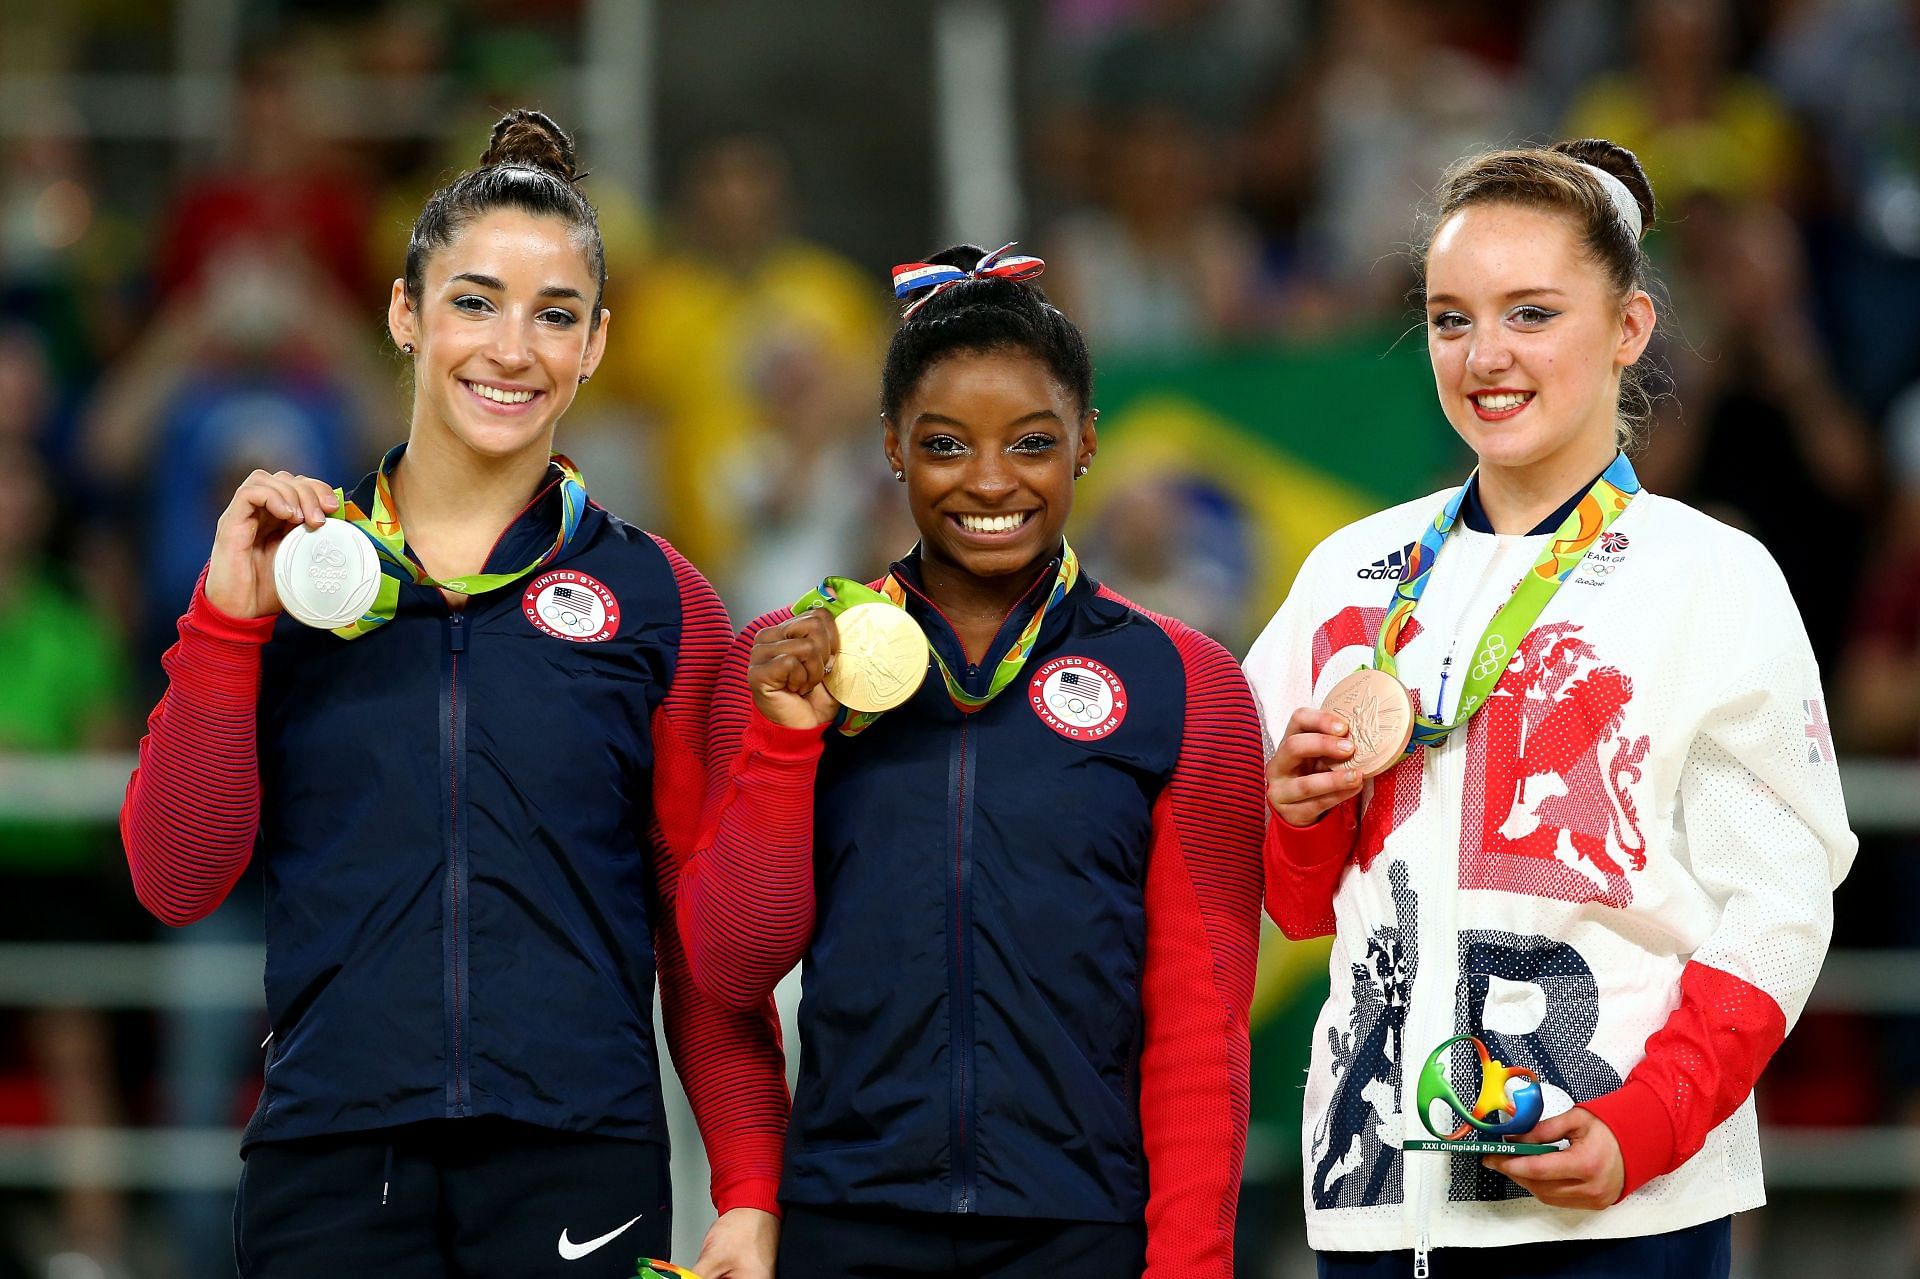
1623, 202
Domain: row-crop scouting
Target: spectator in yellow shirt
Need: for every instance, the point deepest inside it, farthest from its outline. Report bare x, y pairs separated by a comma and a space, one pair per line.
1696, 124
735, 298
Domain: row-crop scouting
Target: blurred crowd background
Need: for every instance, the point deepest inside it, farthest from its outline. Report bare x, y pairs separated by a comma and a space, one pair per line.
203, 204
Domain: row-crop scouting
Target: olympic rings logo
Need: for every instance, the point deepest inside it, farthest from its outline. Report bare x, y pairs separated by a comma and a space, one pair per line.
571, 605
1493, 658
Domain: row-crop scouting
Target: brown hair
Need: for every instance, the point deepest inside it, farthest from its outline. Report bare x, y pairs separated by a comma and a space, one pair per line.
528, 165
1552, 178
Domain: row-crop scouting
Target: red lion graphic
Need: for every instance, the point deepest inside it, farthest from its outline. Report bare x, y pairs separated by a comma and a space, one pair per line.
1535, 775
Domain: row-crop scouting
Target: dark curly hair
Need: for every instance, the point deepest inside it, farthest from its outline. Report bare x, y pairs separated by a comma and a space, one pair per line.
984, 315
528, 165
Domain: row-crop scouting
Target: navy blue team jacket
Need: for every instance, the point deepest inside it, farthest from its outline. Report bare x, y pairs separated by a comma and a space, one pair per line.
997, 898
455, 814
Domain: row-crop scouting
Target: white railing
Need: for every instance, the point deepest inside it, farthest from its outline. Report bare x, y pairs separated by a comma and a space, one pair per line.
1882, 796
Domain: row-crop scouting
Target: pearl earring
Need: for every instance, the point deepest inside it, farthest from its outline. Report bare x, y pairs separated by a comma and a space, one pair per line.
1082, 471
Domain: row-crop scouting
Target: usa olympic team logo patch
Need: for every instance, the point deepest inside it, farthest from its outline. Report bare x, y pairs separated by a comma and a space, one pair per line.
571, 606
1078, 698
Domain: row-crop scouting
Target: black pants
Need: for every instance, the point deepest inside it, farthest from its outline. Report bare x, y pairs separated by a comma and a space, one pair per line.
465, 1198
1697, 1252
885, 1243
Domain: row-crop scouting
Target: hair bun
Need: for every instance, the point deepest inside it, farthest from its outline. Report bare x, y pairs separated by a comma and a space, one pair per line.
1621, 163
532, 139
964, 256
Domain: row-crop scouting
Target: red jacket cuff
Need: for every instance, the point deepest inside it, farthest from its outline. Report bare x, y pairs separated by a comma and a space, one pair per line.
207, 620
748, 1192
1328, 840
779, 743
1637, 1115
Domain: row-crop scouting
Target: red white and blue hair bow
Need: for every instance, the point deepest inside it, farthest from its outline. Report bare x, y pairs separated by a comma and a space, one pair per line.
909, 276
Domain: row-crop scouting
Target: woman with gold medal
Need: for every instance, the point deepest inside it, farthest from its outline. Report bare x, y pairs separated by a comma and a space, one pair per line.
1024, 875
1566, 791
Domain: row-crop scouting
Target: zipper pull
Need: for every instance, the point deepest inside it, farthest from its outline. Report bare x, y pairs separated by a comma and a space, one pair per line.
1421, 1268
456, 632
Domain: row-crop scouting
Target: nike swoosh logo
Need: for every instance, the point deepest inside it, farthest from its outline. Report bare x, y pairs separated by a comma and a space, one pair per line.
571, 1251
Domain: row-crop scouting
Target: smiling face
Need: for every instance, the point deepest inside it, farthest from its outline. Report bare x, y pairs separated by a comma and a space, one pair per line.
1528, 338
990, 441
502, 333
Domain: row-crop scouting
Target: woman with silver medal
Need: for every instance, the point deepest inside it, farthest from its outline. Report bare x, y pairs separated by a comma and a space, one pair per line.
1562, 797
468, 767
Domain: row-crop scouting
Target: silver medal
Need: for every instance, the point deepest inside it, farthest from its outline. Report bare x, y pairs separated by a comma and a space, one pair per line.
326, 576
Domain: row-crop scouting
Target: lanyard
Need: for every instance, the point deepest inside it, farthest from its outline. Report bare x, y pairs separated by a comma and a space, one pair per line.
1592, 516
396, 566
837, 594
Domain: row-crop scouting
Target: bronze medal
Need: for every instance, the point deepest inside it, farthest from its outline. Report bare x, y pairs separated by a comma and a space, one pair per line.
882, 659
1379, 715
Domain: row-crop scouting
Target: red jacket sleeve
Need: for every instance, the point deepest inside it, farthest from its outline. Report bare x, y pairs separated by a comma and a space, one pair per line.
192, 807
746, 897
1304, 866
1203, 940
729, 1059
1700, 1065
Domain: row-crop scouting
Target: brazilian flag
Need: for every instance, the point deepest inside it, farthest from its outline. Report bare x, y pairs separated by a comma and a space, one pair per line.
1218, 472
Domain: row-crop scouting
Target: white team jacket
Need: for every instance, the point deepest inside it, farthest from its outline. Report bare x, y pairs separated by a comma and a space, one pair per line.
1652, 783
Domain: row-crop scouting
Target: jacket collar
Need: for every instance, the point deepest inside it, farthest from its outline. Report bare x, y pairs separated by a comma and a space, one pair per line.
1474, 515
527, 535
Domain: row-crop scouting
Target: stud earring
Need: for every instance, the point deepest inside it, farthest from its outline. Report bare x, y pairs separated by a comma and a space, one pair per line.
1082, 471
584, 377
901, 476
407, 347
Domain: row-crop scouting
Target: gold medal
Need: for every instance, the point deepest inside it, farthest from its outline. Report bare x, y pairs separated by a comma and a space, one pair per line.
882, 659
1379, 715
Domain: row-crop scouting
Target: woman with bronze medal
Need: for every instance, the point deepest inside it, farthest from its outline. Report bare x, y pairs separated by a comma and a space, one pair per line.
1024, 875
1565, 800
458, 715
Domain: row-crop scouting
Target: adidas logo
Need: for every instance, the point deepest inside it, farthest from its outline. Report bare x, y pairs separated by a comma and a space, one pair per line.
1388, 569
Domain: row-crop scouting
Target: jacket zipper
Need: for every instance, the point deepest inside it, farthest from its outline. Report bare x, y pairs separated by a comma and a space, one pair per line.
959, 981
457, 913
1436, 929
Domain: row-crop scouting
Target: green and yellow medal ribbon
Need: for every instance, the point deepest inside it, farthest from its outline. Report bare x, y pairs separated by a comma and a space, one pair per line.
838, 594
653, 1268
1593, 515
382, 528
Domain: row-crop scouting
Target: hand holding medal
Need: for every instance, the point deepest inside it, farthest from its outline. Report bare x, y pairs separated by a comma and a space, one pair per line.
788, 667
847, 645
266, 509
1368, 722
1314, 768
